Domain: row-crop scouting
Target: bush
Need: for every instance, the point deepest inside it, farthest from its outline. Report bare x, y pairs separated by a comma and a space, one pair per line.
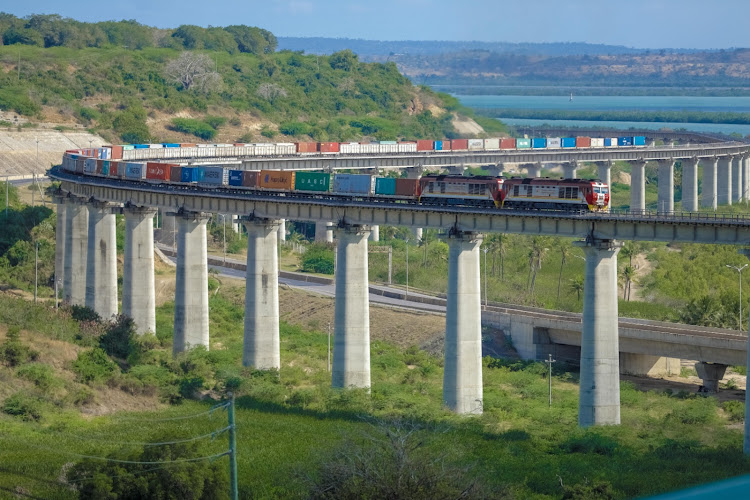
22, 405
41, 375
13, 352
694, 411
735, 410
318, 259
195, 127
94, 366
119, 338
590, 442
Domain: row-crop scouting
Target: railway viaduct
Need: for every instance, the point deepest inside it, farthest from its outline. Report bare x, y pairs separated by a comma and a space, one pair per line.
86, 260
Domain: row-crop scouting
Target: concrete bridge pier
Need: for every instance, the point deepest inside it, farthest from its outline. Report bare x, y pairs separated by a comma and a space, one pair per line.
737, 184
417, 234
690, 184
282, 231
61, 205
646, 365
374, 233
710, 182
261, 342
745, 178
569, 169
533, 169
604, 171
324, 232
494, 170
191, 283
711, 374
746, 444
665, 201
462, 377
138, 293
724, 186
76, 247
351, 346
638, 186
599, 402
101, 265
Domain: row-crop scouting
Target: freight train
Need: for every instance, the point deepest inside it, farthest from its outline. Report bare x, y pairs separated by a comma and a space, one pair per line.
480, 191
138, 152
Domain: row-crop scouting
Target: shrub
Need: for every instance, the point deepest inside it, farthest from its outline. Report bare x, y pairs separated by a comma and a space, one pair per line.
318, 259
694, 411
119, 338
94, 366
13, 352
41, 375
589, 442
22, 405
735, 410
195, 127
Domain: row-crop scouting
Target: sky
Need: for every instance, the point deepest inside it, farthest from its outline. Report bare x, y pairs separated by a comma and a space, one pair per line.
702, 24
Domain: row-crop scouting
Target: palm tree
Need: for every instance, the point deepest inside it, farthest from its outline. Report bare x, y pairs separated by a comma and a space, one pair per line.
576, 284
428, 236
565, 247
629, 250
628, 275
539, 248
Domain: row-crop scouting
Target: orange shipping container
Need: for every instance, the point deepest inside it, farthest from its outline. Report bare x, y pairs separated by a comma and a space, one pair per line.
423, 145
187, 145
507, 143
158, 171
407, 187
583, 142
460, 144
446, 145
116, 152
276, 179
328, 147
307, 147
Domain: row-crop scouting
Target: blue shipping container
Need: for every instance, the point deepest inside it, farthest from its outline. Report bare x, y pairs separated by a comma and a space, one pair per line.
105, 167
191, 174
639, 140
352, 183
568, 142
539, 143
438, 146
385, 185
624, 141
170, 145
212, 175
135, 170
608, 142
235, 177
140, 146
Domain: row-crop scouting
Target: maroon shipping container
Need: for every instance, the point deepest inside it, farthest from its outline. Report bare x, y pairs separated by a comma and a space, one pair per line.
583, 142
460, 144
250, 178
406, 187
187, 145
423, 145
328, 147
175, 174
307, 147
99, 166
508, 143
116, 152
158, 171
114, 169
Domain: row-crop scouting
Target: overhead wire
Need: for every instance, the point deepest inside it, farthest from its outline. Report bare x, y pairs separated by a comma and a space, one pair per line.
212, 435
181, 417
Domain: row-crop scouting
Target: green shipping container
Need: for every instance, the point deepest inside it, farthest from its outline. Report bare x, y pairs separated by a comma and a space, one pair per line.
523, 143
385, 185
312, 181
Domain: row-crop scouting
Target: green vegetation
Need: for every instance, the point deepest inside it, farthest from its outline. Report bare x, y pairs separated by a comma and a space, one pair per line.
625, 116
205, 129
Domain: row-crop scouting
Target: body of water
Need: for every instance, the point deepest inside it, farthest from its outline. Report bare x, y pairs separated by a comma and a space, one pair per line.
716, 128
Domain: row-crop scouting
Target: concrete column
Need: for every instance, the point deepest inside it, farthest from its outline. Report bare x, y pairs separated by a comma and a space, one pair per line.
351, 347
261, 344
710, 174
711, 374
324, 231
234, 218
605, 171
690, 184
533, 169
76, 246
191, 284
282, 231
374, 233
665, 201
62, 205
462, 378
101, 266
417, 233
599, 402
138, 294
569, 169
724, 186
638, 186
746, 178
737, 181
746, 443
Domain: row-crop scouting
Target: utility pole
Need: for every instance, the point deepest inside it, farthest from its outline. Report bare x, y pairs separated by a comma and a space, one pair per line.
549, 362
7, 193
329, 346
233, 494
36, 268
485, 276
407, 267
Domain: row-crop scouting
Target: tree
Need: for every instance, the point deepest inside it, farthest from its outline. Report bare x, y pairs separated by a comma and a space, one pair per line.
539, 249
343, 59
629, 250
271, 91
628, 276
194, 72
576, 284
564, 246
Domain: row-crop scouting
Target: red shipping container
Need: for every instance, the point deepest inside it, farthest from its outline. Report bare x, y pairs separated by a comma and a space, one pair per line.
423, 145
158, 171
508, 143
114, 167
328, 147
249, 178
460, 144
307, 147
115, 152
239, 144
187, 145
407, 187
446, 145
583, 142
175, 174
99, 166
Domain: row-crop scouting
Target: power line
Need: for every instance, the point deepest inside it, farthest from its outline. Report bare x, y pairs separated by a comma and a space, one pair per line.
212, 435
183, 417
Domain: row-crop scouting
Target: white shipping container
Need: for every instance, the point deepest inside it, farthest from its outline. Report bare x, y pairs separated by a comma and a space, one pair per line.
155, 146
613, 142
350, 148
370, 148
285, 148
492, 144
476, 144
554, 142
265, 149
407, 147
597, 142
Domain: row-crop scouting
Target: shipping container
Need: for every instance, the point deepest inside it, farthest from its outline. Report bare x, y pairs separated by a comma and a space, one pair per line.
89, 166
284, 148
235, 177
135, 170
155, 146
446, 145
250, 178
407, 187
476, 144
99, 166
639, 140
508, 143
306, 147
624, 141
191, 174
128, 147
276, 179
458, 144
369, 147
385, 186
170, 145
140, 146
437, 145
608, 142
114, 169
217, 176
157, 171
80, 166
597, 142
187, 145
554, 143
406, 147
105, 167
353, 184
423, 145
104, 153
312, 181
265, 149
492, 144
115, 152
175, 173
583, 142
539, 143
328, 147
350, 148
523, 143
568, 142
